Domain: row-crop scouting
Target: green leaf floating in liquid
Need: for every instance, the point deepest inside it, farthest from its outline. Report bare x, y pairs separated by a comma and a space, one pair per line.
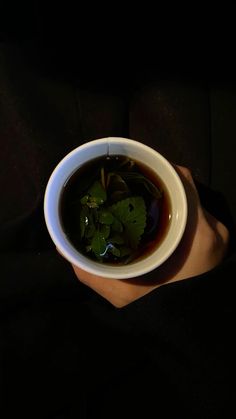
98, 191
111, 227
98, 244
95, 197
106, 217
131, 212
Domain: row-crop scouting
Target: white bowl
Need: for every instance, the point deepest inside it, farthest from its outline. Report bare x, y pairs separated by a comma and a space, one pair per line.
139, 152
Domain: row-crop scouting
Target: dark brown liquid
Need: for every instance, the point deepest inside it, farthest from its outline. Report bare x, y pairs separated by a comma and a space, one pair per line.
165, 212
158, 212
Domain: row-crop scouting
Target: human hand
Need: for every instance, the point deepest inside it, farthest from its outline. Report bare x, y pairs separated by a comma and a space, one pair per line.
203, 246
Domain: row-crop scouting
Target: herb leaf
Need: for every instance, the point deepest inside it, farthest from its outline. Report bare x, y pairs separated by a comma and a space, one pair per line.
117, 226
98, 244
106, 217
98, 192
105, 230
131, 212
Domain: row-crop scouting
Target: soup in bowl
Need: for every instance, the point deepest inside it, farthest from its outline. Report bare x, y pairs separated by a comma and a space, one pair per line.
115, 208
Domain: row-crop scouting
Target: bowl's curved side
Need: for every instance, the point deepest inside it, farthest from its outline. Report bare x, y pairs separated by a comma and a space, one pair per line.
139, 152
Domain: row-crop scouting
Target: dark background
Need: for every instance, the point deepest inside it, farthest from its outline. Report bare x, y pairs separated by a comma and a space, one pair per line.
114, 51
68, 75
188, 43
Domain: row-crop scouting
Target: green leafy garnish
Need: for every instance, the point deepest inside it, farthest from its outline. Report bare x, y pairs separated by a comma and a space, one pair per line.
96, 196
106, 217
98, 191
105, 230
115, 230
117, 226
111, 220
98, 244
131, 212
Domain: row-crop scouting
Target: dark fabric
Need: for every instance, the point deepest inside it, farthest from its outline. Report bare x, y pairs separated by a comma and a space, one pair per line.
64, 351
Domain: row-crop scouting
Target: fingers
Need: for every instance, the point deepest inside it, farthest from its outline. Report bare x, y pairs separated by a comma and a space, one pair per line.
221, 231
186, 176
195, 210
185, 171
216, 225
214, 231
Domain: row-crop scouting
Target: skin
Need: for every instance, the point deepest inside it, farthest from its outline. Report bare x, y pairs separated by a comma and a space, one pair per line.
203, 247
